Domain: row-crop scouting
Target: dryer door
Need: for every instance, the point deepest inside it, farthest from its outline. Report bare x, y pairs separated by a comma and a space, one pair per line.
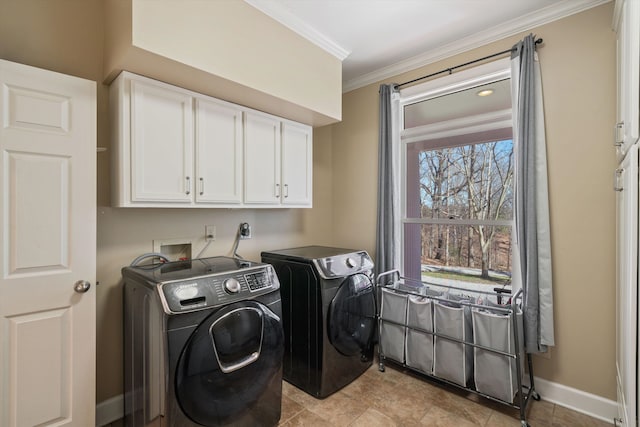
352, 316
230, 370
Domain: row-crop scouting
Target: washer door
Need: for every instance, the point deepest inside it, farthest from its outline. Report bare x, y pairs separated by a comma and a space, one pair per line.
230, 362
351, 318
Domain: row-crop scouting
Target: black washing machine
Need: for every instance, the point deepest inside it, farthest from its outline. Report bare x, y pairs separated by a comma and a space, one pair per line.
328, 315
203, 344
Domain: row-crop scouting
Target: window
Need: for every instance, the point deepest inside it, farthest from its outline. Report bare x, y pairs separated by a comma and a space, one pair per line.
457, 175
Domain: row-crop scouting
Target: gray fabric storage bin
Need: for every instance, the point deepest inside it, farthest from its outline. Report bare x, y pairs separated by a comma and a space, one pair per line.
419, 345
495, 374
453, 361
393, 315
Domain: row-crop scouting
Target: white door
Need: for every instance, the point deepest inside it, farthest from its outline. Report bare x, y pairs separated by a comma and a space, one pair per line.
218, 152
297, 164
161, 144
48, 228
262, 159
627, 285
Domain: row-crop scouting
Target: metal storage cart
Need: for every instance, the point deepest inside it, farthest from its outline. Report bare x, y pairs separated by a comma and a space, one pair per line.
466, 338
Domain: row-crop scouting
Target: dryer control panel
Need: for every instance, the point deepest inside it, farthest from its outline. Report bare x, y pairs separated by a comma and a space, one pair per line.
217, 289
344, 264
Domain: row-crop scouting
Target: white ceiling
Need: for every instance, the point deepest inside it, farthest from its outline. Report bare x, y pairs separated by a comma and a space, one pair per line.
377, 39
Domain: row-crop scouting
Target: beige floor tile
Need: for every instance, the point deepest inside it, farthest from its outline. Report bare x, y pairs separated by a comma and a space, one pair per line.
373, 418
563, 417
290, 408
438, 417
340, 408
498, 419
307, 418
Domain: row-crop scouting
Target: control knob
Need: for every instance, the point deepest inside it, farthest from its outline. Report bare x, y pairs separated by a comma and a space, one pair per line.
351, 262
231, 286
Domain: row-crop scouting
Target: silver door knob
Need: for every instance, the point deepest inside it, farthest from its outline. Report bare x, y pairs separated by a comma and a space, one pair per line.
81, 286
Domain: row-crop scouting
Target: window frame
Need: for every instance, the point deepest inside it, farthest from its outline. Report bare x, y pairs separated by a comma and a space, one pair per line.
477, 76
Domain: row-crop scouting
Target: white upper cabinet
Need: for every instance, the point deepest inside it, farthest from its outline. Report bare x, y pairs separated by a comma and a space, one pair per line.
278, 162
297, 158
161, 144
218, 153
627, 16
262, 159
177, 148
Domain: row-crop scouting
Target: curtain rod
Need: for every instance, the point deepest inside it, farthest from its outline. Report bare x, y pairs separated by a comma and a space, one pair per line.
450, 70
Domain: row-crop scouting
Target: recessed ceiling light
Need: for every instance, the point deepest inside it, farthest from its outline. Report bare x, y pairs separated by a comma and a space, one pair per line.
485, 92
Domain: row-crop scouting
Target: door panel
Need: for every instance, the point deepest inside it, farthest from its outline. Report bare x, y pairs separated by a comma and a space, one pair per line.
26, 223
26, 333
47, 229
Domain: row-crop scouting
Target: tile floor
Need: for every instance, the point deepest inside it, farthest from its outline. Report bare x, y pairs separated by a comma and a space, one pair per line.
397, 398
402, 399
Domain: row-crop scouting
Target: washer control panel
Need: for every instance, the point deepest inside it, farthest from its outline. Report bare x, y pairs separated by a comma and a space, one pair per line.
217, 289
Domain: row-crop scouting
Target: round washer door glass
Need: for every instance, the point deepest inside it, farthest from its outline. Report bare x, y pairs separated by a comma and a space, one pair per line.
229, 364
351, 318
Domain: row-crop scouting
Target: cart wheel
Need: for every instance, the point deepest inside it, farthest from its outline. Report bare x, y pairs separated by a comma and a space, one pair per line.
535, 396
381, 367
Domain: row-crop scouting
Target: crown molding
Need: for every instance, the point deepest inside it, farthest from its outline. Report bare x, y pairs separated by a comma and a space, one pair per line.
512, 27
276, 11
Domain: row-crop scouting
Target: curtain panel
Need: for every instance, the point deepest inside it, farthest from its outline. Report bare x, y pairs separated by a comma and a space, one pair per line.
532, 252
387, 230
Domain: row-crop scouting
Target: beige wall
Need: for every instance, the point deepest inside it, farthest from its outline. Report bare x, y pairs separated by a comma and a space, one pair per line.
578, 66
226, 49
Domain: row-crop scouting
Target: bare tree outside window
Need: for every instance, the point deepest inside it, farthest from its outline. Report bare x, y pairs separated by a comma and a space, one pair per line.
468, 193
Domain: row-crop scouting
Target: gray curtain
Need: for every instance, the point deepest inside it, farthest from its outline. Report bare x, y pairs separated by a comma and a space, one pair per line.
385, 233
531, 197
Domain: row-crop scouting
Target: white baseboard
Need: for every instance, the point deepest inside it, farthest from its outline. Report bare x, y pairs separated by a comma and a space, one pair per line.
110, 410
577, 400
595, 406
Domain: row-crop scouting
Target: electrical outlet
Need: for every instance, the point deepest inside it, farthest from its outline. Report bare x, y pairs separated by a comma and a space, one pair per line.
209, 233
245, 231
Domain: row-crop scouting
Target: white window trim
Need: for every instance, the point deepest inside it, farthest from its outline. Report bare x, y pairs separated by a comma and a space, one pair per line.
476, 76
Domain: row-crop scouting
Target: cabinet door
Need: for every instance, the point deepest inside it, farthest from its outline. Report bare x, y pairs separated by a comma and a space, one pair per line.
161, 144
297, 164
627, 285
218, 152
628, 75
262, 159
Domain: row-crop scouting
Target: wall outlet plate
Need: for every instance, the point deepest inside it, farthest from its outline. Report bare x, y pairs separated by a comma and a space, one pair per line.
209, 233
